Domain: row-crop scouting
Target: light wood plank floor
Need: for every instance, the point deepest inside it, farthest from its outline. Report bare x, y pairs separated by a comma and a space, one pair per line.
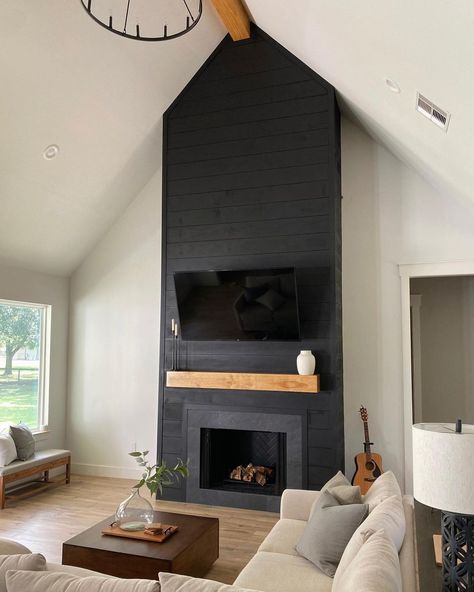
43, 521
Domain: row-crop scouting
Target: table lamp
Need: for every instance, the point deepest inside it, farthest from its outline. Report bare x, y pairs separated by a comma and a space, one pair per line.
443, 478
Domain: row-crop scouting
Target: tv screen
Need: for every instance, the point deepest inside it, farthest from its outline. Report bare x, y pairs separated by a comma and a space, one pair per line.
244, 305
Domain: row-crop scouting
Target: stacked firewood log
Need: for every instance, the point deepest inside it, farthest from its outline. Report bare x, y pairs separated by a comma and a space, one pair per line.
251, 473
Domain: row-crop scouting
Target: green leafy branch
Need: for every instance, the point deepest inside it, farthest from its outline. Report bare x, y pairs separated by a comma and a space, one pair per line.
156, 477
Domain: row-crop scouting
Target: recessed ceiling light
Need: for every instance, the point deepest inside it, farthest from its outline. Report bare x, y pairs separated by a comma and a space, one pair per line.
392, 85
50, 152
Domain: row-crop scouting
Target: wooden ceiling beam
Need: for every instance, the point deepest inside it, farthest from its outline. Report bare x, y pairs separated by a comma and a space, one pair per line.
235, 18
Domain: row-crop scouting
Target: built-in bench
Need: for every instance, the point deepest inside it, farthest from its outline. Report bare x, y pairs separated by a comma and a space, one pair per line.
40, 463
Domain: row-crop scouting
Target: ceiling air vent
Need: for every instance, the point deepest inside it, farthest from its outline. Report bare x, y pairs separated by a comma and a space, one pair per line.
431, 111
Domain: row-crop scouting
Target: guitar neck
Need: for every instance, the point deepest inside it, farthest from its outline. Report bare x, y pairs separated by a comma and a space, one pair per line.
367, 449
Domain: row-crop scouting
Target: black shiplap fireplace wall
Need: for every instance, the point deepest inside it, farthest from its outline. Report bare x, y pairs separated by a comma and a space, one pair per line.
251, 179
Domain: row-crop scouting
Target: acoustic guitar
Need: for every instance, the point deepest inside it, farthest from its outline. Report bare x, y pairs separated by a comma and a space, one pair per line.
368, 464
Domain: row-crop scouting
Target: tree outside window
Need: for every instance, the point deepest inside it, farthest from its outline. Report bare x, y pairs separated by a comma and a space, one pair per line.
21, 363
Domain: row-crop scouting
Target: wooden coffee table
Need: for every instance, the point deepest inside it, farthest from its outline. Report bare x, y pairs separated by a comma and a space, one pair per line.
190, 551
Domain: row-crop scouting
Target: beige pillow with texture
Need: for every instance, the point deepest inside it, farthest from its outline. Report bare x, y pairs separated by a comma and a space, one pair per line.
177, 583
387, 516
385, 486
375, 568
32, 581
7, 449
30, 561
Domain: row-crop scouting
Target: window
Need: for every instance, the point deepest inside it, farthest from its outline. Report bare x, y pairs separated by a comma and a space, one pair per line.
24, 357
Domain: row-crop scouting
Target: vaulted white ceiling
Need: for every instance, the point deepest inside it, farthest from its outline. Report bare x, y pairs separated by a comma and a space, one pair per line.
423, 45
100, 98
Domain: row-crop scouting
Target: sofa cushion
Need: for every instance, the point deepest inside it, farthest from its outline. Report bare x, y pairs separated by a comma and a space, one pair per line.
283, 537
31, 561
274, 572
375, 568
7, 449
383, 487
389, 516
170, 582
24, 441
31, 581
329, 529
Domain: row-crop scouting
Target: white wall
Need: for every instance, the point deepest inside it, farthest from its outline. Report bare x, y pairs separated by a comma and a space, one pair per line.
40, 288
114, 345
390, 216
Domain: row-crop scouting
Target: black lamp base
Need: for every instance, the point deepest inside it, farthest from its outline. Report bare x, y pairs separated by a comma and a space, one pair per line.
457, 531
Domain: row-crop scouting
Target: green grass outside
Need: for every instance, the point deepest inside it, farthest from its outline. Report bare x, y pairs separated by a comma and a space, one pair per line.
19, 400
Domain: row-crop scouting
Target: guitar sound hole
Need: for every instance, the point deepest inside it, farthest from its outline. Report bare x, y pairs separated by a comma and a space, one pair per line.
370, 466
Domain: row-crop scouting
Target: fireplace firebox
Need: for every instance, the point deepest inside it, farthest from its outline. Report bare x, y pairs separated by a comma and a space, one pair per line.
223, 450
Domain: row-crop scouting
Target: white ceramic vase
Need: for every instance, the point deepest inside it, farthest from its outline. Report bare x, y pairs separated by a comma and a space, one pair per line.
306, 363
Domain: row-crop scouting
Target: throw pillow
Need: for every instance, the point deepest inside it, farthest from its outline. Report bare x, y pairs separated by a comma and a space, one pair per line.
346, 494
24, 441
7, 449
338, 479
329, 529
383, 487
30, 561
176, 583
271, 299
20, 581
388, 516
375, 568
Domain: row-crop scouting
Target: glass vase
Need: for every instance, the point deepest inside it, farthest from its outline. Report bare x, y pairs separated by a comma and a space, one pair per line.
134, 513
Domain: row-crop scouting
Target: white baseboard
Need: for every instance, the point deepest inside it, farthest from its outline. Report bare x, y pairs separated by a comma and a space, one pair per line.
105, 471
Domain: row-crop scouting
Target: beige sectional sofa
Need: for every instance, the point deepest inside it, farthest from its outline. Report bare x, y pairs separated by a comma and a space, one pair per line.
277, 567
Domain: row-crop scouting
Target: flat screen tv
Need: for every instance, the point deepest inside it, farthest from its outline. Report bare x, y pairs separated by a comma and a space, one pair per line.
243, 305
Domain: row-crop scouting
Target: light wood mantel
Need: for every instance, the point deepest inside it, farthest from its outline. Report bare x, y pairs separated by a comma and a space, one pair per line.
288, 383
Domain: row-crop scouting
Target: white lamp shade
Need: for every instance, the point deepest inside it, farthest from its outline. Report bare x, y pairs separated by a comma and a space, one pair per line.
443, 467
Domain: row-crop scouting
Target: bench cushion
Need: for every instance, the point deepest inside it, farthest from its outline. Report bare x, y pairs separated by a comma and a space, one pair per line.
39, 457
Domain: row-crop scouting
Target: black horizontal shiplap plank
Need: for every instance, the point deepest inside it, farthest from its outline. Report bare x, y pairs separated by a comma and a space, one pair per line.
258, 96
254, 195
248, 213
252, 57
173, 446
244, 147
226, 117
248, 246
244, 180
242, 363
254, 129
279, 227
260, 260
322, 457
241, 84
248, 348
250, 162
317, 476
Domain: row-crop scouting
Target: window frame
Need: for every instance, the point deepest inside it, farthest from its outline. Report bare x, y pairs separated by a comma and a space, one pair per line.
45, 358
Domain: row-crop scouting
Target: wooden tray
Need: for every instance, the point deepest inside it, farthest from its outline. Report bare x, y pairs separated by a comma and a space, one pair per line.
140, 534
